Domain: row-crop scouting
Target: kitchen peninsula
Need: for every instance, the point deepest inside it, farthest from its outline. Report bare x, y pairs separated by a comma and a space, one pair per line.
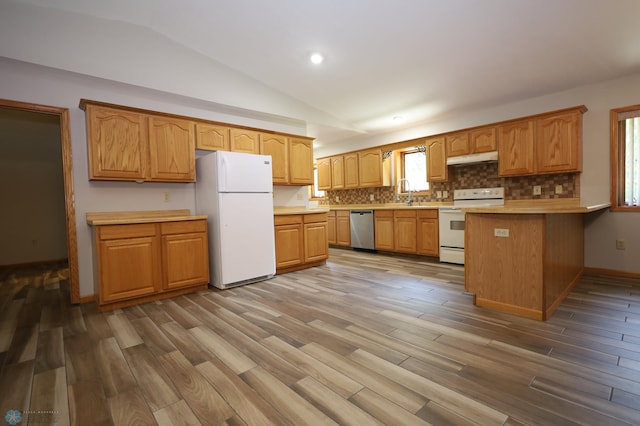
525, 257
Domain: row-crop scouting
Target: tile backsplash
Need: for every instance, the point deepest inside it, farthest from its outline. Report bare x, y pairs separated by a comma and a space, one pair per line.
484, 175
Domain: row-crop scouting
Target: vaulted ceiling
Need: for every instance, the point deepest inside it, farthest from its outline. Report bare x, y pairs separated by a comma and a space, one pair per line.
421, 60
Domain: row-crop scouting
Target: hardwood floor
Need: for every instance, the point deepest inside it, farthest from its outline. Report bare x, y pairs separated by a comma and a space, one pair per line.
366, 339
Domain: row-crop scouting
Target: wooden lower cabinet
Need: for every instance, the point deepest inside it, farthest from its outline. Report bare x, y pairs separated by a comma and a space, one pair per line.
184, 254
405, 231
140, 262
428, 233
302, 241
411, 231
529, 271
339, 228
383, 230
343, 228
332, 235
289, 240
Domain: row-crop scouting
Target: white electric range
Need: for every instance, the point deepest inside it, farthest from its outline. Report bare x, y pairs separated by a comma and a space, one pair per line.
452, 219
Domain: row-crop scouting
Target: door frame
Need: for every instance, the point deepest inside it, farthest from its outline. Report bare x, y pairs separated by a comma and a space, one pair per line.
67, 170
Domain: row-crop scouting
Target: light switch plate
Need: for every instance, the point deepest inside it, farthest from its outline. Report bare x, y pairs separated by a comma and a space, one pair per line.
558, 189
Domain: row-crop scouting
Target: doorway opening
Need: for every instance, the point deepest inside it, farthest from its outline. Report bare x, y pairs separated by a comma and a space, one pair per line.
48, 113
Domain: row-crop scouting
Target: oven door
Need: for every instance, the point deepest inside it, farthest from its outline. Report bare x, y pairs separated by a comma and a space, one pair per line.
451, 224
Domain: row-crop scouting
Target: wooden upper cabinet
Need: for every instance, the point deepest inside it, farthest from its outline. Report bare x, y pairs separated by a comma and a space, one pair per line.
300, 161
351, 170
516, 148
370, 168
337, 172
242, 140
212, 137
483, 140
171, 149
117, 143
276, 146
457, 144
437, 170
324, 173
558, 140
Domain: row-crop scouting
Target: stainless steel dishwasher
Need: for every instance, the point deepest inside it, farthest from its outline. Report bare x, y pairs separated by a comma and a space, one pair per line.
362, 233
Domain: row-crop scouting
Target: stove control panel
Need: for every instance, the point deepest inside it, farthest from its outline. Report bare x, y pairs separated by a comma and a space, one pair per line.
478, 194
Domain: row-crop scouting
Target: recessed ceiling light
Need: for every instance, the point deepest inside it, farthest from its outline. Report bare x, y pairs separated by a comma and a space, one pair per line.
316, 58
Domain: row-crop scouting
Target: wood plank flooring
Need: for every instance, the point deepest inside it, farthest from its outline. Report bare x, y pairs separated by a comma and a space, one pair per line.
367, 339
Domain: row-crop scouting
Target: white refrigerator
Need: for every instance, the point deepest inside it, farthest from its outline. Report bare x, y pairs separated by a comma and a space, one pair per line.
236, 191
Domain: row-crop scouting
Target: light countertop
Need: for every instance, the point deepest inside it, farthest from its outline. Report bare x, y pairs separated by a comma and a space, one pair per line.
286, 210
152, 216
553, 206
563, 205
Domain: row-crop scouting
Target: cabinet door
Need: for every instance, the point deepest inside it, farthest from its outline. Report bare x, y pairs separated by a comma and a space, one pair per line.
428, 241
316, 246
324, 173
343, 228
457, 144
370, 168
117, 143
129, 267
171, 149
383, 225
558, 143
516, 148
185, 253
289, 245
351, 170
300, 161
437, 170
337, 172
212, 137
331, 227
242, 140
483, 140
276, 147
405, 231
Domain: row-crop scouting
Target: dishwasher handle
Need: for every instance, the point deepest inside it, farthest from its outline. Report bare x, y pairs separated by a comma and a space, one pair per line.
361, 212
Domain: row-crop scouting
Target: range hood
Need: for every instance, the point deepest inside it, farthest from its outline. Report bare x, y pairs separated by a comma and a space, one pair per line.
483, 157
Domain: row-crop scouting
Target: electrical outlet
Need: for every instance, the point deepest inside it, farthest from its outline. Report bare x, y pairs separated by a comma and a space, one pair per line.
167, 197
445, 194
558, 189
372, 197
537, 190
337, 199
621, 245
438, 194
500, 232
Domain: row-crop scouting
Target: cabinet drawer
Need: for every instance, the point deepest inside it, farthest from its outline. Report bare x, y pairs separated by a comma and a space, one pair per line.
383, 213
343, 213
404, 213
290, 219
428, 214
183, 227
315, 217
114, 232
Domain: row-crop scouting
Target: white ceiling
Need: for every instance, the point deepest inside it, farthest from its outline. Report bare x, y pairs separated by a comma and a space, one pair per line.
421, 59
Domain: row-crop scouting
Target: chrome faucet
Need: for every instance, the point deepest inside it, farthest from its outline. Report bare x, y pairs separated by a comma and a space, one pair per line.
408, 190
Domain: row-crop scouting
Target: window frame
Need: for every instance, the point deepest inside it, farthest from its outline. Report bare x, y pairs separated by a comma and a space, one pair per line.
312, 187
617, 162
402, 172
